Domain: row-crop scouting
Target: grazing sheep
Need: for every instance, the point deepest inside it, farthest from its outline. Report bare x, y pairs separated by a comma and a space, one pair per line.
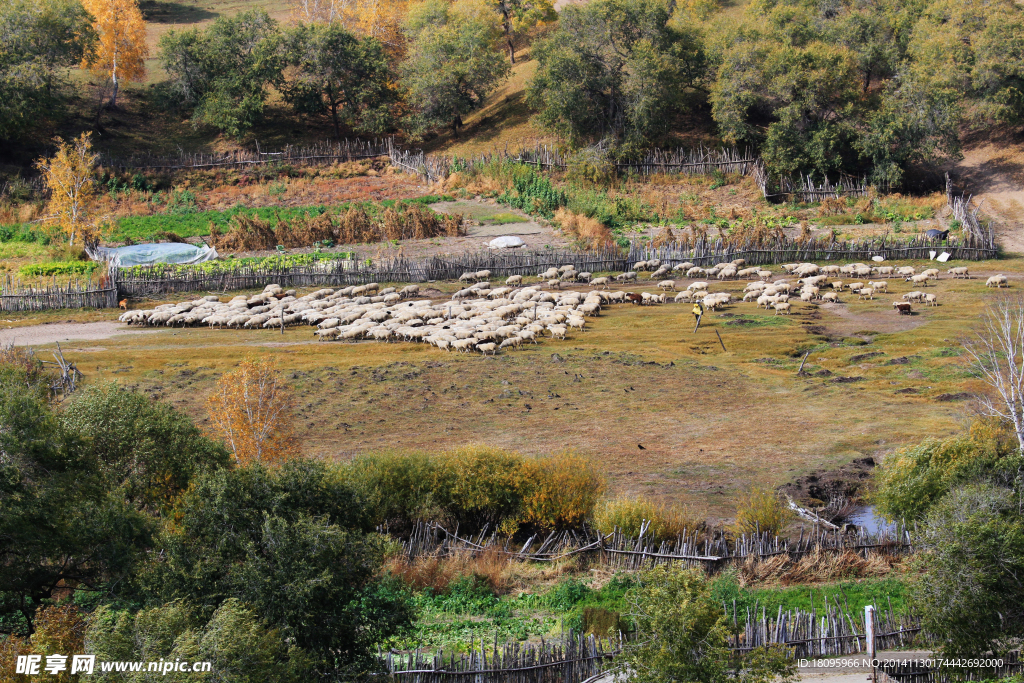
555, 284
482, 274
879, 286
765, 275
782, 307
625, 277
906, 271
511, 342
837, 285
514, 280
854, 286
489, 347
683, 296
600, 281
696, 271
921, 279
557, 331
960, 272
866, 293
640, 265
584, 276
997, 281
830, 270
913, 296
830, 297
683, 267
901, 307
667, 284
931, 272
411, 290
887, 271
697, 285
931, 300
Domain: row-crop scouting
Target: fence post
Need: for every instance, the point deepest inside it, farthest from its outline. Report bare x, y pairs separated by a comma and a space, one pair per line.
869, 636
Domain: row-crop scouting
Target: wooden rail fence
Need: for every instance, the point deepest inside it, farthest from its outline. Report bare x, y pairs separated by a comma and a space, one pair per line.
713, 551
15, 296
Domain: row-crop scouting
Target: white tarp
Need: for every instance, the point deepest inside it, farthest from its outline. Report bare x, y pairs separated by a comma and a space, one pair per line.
148, 254
506, 242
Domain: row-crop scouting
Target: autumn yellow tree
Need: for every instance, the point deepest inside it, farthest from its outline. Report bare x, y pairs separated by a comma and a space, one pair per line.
121, 48
69, 178
251, 410
380, 19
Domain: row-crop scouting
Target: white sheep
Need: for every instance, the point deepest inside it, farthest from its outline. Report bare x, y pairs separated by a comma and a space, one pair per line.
931, 300
601, 282
997, 281
865, 293
696, 271
694, 286
514, 280
667, 284
921, 279
782, 307
879, 286
960, 272
830, 297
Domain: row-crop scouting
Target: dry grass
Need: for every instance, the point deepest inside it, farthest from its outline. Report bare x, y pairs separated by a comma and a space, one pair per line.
354, 226
816, 567
497, 570
588, 231
762, 510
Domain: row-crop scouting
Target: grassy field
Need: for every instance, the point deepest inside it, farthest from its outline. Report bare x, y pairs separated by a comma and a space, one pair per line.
711, 423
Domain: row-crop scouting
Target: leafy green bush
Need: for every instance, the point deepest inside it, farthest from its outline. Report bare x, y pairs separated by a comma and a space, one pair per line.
532, 192
232, 265
59, 268
911, 480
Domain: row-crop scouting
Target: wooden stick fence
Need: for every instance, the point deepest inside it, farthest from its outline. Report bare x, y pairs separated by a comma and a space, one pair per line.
895, 672
961, 208
831, 631
317, 154
17, 297
712, 552
565, 661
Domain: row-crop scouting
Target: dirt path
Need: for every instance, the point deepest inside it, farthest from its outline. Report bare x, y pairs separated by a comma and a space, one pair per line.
34, 335
994, 172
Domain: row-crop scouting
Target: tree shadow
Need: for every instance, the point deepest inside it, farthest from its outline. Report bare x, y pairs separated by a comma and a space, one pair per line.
161, 12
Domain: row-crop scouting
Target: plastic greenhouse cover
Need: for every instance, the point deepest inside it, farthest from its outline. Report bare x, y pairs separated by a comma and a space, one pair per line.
147, 254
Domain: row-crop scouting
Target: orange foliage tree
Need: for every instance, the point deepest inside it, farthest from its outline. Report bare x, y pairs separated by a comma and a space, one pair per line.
251, 410
121, 48
564, 490
68, 176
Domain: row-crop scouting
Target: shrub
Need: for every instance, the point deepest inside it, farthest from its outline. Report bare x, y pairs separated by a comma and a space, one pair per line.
532, 192
762, 510
478, 485
565, 489
591, 166
58, 268
911, 480
628, 513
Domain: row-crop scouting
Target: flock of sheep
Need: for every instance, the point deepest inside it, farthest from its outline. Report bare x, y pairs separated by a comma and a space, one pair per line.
485, 319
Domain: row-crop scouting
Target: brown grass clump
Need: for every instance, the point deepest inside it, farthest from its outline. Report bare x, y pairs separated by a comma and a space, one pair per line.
354, 226
815, 567
584, 228
491, 566
831, 206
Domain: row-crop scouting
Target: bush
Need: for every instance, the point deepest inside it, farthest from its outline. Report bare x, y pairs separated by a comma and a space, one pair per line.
476, 486
628, 513
911, 480
58, 268
584, 228
762, 510
532, 192
565, 489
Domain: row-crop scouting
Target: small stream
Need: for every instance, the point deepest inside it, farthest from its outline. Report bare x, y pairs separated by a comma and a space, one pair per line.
866, 518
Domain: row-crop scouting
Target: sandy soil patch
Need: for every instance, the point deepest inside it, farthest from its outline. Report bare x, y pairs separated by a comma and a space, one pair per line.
35, 335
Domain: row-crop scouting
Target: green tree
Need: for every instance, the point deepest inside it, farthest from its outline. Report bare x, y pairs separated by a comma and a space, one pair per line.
290, 543
518, 16
146, 450
239, 646
341, 75
59, 524
452, 65
39, 43
971, 593
222, 74
681, 634
615, 68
